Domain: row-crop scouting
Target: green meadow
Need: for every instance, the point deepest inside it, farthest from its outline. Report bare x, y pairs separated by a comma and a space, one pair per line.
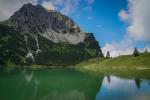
125, 66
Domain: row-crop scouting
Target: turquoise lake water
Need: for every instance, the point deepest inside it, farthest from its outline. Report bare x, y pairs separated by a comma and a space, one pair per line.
68, 84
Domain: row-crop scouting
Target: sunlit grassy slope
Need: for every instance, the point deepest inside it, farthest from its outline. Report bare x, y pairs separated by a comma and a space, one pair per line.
143, 60
124, 66
123, 62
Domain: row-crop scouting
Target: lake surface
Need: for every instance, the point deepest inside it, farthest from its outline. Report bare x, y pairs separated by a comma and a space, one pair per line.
68, 84
115, 88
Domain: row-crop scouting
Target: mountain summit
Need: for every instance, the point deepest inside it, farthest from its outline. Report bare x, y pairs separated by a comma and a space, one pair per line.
36, 35
48, 23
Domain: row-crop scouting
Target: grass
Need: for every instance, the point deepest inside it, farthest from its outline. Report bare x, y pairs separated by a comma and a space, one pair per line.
124, 66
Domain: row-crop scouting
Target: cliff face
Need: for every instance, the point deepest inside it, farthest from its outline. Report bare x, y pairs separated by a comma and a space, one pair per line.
49, 24
35, 35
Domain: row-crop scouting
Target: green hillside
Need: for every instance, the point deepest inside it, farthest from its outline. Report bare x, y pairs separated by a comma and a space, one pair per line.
143, 60
123, 65
13, 50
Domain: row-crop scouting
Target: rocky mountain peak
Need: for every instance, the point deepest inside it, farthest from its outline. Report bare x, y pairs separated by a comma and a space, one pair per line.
36, 35
48, 23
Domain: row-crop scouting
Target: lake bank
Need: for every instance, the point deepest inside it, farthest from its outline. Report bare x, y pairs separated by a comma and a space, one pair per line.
123, 66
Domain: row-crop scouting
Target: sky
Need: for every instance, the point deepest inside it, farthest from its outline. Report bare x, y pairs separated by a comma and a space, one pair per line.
118, 25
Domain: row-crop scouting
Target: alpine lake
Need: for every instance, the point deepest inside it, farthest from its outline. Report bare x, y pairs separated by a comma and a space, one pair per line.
70, 84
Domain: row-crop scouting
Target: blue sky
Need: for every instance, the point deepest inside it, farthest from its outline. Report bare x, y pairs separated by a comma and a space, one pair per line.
118, 25
102, 20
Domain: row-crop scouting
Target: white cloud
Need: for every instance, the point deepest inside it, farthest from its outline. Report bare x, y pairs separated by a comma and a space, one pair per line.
65, 6
118, 48
125, 47
48, 5
123, 15
139, 22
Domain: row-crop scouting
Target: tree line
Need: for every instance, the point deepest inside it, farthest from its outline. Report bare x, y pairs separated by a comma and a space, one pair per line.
135, 53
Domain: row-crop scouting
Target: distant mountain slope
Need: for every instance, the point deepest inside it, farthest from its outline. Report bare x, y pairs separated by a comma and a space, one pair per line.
34, 35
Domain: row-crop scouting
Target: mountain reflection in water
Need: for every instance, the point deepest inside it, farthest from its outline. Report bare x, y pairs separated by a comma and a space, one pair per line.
68, 84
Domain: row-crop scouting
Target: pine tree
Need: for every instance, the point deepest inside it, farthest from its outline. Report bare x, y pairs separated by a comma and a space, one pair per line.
136, 52
108, 54
146, 51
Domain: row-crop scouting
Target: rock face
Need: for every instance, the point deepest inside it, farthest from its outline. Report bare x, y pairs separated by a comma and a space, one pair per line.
40, 36
49, 24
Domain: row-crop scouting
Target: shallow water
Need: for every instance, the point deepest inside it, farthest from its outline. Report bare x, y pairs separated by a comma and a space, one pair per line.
67, 84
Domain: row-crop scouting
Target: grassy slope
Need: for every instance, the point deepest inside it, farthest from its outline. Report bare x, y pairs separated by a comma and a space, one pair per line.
143, 60
123, 66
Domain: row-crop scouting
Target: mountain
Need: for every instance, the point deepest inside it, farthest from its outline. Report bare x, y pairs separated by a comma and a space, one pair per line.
35, 35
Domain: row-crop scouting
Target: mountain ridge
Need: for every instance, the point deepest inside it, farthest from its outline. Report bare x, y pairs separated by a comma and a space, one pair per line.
51, 25
47, 38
